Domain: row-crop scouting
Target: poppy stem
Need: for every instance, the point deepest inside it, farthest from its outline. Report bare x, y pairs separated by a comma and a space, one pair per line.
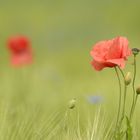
124, 99
136, 98
133, 86
120, 98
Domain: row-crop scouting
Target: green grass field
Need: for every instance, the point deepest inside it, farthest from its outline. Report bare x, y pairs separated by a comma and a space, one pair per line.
34, 99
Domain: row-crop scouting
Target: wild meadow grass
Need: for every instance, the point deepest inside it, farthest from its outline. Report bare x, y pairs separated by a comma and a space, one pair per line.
34, 100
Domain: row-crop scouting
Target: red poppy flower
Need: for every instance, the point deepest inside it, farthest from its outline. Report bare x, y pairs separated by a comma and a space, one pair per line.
110, 53
20, 49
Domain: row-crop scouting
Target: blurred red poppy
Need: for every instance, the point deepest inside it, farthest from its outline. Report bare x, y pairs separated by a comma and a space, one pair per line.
20, 49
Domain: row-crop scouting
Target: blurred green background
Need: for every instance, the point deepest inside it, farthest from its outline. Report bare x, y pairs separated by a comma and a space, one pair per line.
62, 33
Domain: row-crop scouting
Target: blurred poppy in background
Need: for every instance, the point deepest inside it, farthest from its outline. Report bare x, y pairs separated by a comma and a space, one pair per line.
20, 48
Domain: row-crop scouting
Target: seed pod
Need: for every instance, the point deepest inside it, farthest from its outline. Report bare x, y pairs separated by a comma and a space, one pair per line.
128, 78
135, 51
138, 90
72, 103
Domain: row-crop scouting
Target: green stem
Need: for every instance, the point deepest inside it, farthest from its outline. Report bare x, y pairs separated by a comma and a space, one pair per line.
134, 106
122, 73
120, 98
124, 99
133, 86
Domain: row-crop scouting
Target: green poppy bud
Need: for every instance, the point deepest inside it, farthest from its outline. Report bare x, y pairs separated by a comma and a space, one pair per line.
72, 103
128, 78
138, 90
135, 51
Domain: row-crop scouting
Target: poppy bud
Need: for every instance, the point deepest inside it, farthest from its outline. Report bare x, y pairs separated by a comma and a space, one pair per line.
72, 104
135, 51
138, 90
128, 78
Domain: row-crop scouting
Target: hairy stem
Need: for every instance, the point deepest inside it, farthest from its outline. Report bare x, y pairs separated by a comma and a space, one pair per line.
120, 98
134, 107
124, 102
133, 86
124, 98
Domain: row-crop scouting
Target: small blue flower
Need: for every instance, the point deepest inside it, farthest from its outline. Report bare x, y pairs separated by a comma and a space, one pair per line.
95, 99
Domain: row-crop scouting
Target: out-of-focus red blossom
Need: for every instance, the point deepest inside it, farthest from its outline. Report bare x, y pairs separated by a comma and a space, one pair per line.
20, 49
110, 53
